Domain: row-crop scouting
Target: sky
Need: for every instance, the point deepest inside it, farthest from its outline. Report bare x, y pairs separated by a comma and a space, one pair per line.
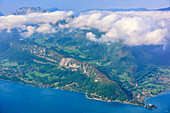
9, 6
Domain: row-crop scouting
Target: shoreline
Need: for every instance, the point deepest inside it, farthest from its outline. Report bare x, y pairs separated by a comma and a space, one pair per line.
112, 101
109, 101
157, 95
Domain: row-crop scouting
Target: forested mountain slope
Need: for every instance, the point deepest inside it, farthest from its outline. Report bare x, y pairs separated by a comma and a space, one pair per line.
68, 60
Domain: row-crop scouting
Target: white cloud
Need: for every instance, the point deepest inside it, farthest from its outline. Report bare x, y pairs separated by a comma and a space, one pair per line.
17, 21
91, 36
45, 28
134, 28
30, 31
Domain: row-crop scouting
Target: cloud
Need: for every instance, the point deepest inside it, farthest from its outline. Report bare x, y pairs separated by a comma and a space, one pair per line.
91, 36
30, 31
133, 28
45, 28
19, 21
41, 28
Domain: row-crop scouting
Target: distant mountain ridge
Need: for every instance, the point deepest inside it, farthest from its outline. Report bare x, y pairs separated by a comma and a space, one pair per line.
131, 9
28, 10
1, 14
119, 9
165, 9
52, 9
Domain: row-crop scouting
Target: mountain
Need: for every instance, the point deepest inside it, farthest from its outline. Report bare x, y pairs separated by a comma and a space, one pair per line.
1, 14
52, 9
69, 61
57, 66
131, 9
65, 58
119, 9
165, 9
28, 10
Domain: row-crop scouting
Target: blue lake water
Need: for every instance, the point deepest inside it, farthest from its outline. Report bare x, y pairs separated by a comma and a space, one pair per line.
19, 98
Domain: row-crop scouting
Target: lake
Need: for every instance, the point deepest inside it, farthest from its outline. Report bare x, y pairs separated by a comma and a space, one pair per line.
19, 98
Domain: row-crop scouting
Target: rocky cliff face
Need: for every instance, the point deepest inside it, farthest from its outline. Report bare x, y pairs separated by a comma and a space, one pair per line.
72, 64
84, 68
28, 10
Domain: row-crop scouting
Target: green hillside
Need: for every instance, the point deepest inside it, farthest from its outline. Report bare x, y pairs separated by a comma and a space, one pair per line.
68, 60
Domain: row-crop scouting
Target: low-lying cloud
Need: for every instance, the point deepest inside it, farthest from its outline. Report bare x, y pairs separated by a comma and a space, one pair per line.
134, 28
42, 22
